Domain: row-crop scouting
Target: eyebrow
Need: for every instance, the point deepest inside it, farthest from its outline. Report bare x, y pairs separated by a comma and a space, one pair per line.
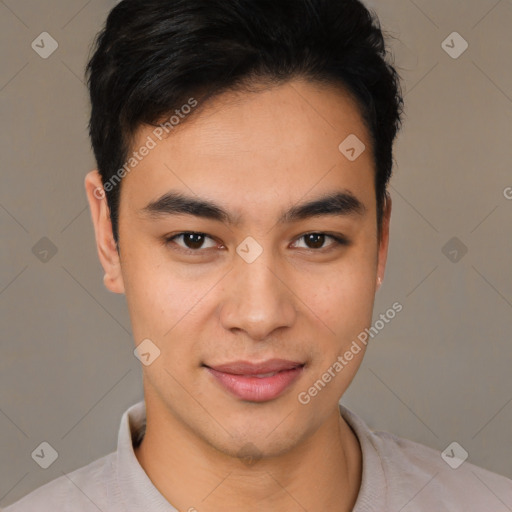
341, 203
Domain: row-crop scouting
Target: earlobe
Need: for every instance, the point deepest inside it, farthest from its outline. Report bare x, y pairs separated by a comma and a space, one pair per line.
105, 243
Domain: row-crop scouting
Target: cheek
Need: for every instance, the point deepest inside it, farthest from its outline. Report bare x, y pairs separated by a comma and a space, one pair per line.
151, 296
345, 306
342, 298
164, 303
349, 282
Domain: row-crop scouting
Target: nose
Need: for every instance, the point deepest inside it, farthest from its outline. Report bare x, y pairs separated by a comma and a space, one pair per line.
258, 300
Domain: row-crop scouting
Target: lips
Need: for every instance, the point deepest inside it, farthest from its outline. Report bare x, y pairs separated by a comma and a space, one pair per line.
254, 369
256, 382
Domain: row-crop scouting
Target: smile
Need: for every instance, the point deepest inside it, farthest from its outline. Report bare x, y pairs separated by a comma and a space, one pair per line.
257, 383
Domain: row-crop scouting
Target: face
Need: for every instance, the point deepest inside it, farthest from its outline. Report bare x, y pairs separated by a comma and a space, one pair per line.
254, 275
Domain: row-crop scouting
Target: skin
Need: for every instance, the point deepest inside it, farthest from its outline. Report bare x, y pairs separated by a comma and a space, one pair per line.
256, 155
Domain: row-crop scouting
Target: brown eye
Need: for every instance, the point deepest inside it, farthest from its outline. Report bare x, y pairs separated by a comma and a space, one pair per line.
316, 241
191, 241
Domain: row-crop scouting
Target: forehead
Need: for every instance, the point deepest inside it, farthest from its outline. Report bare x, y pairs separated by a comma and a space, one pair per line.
257, 147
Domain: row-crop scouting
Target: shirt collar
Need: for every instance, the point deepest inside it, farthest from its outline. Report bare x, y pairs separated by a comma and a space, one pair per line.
373, 496
139, 492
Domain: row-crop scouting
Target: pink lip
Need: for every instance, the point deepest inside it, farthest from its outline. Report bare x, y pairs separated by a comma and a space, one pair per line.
240, 379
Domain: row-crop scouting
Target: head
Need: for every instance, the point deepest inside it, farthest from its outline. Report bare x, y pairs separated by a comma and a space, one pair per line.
266, 128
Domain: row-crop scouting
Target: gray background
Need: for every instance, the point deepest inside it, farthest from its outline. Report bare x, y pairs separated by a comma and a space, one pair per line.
439, 372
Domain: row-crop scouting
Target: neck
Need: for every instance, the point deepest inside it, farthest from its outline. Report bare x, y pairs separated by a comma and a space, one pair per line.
322, 473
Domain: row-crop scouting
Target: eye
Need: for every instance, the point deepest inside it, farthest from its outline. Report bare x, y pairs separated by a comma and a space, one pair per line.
315, 241
193, 241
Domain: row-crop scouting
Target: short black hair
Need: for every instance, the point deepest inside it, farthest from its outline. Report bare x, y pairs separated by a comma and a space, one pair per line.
153, 56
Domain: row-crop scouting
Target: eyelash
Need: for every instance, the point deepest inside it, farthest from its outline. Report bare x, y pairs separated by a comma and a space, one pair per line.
338, 241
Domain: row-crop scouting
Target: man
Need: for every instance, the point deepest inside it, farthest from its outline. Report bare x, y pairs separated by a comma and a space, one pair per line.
244, 150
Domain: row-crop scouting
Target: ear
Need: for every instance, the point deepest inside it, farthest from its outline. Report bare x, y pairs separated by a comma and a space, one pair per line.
384, 241
105, 243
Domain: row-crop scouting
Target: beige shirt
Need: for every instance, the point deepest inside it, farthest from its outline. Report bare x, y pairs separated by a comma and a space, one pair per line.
399, 475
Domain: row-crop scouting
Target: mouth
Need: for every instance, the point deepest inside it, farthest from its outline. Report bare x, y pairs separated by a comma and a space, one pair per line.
256, 382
